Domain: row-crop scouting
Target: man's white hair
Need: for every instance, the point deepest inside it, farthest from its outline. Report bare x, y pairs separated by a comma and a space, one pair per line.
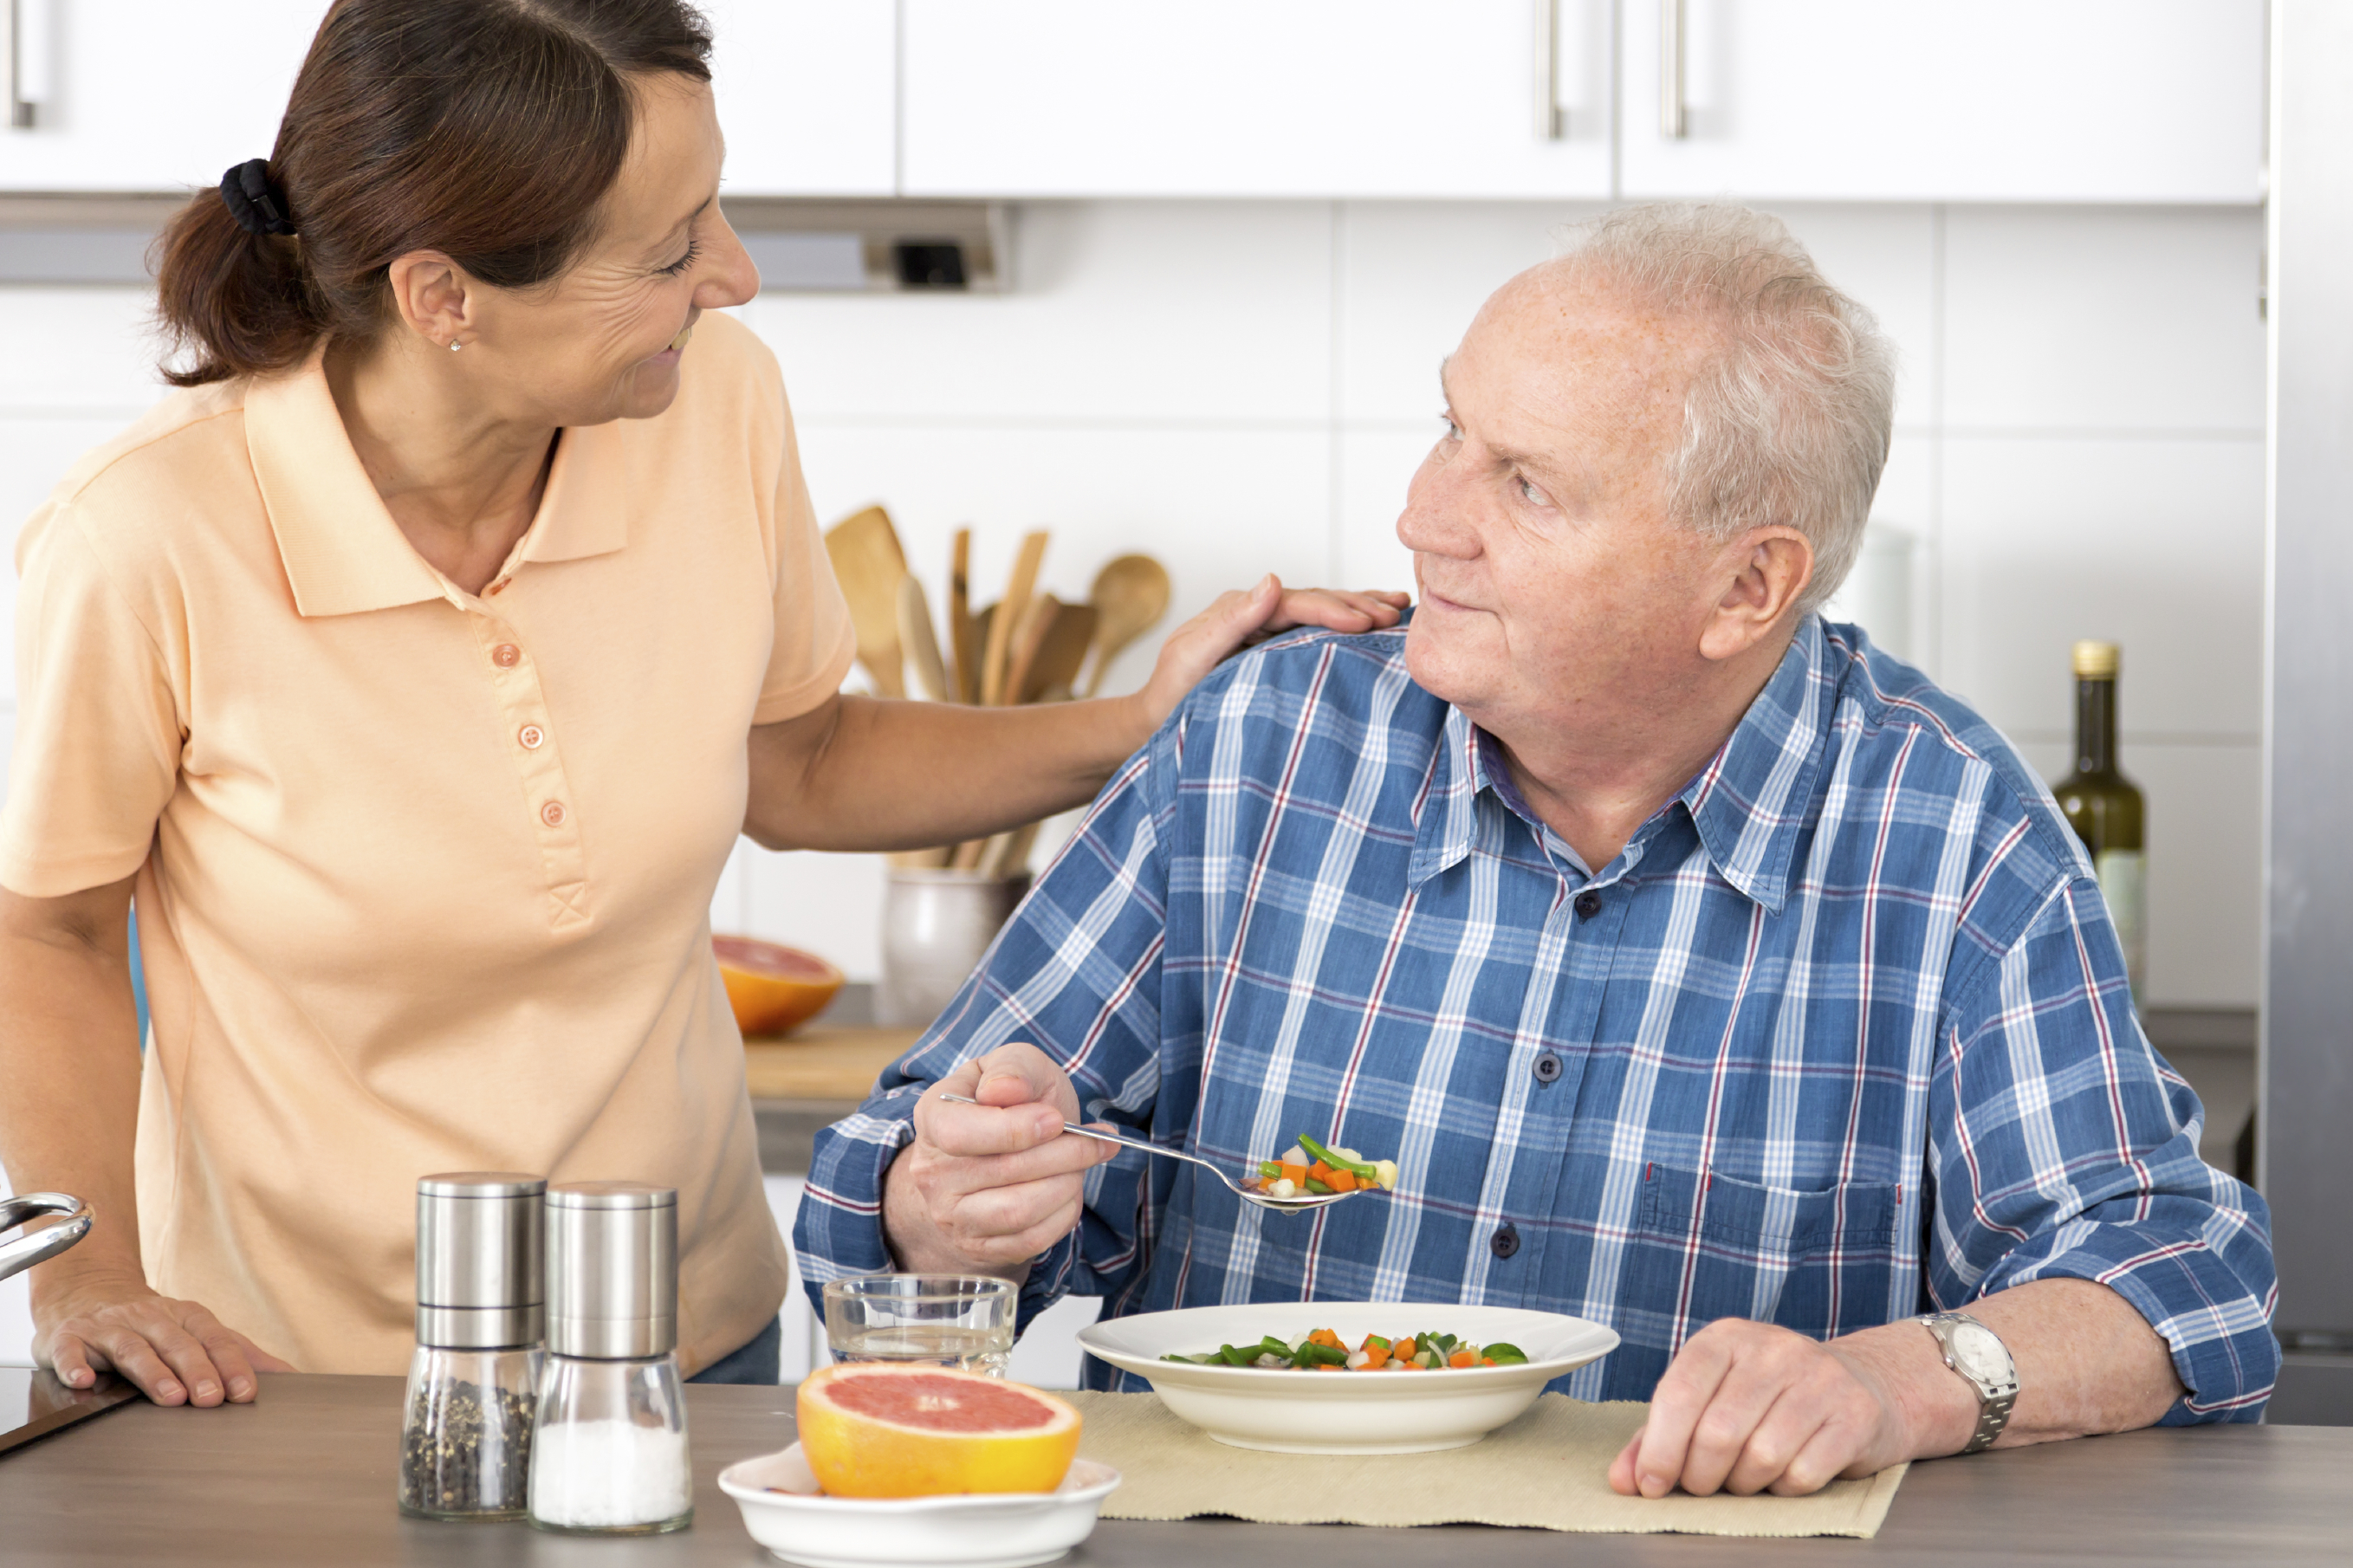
1788, 422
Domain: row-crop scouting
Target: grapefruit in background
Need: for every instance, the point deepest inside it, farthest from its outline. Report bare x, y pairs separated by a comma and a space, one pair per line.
885, 1430
773, 989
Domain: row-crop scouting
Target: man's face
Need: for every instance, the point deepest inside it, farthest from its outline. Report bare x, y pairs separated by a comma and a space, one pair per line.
1551, 584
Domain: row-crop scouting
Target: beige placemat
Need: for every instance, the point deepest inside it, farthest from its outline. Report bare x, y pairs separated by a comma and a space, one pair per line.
1546, 1470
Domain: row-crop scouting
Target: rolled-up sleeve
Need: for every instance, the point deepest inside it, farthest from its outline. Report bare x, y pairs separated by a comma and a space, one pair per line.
2063, 1147
1076, 971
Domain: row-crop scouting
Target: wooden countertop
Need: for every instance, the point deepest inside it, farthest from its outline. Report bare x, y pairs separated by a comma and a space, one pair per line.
305, 1476
832, 1062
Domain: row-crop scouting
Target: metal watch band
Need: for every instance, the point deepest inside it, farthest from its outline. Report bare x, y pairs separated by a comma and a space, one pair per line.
1994, 1400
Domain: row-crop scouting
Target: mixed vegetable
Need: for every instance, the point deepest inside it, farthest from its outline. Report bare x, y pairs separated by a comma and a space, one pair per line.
1307, 1167
1323, 1351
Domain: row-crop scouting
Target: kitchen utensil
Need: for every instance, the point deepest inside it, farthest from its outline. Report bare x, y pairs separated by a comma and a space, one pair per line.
1132, 593
1055, 666
1007, 854
936, 926
609, 1457
1037, 619
474, 1383
1359, 1413
785, 1512
962, 1321
1009, 611
868, 562
964, 634
1280, 1206
25, 1252
915, 634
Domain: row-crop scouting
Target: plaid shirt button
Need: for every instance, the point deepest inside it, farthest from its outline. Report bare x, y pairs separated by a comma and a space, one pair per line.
1547, 1068
1506, 1241
1588, 904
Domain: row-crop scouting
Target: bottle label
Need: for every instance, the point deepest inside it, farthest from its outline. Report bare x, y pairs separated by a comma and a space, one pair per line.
2123, 883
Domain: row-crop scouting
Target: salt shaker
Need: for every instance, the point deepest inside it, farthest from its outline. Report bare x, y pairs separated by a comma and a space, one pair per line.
465, 1443
610, 1455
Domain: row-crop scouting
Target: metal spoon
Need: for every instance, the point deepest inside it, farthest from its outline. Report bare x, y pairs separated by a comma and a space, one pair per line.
1280, 1206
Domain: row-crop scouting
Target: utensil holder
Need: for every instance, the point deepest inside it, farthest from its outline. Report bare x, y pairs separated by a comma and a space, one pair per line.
936, 924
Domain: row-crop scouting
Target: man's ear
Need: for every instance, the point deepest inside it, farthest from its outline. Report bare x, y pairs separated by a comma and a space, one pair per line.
1767, 569
430, 295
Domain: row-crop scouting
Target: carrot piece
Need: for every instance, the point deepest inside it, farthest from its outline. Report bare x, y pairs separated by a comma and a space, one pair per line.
1375, 1358
1321, 1172
1486, 1360
1296, 1174
1330, 1366
1459, 1358
1341, 1180
1403, 1350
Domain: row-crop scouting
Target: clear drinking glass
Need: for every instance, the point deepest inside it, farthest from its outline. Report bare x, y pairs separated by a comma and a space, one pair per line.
927, 1320
610, 1455
465, 1442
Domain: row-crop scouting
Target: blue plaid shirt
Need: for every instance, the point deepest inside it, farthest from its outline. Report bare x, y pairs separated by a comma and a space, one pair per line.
1840, 1036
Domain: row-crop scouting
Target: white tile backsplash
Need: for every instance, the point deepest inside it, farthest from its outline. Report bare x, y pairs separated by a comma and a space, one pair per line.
2104, 319
1247, 387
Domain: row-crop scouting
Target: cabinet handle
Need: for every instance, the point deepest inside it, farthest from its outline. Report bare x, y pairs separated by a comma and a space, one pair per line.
1672, 119
27, 48
1551, 124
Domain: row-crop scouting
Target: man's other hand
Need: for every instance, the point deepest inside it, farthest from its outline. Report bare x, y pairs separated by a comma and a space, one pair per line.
984, 1188
1749, 1407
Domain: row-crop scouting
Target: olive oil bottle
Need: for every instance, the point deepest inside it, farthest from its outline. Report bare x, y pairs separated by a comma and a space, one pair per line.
2103, 807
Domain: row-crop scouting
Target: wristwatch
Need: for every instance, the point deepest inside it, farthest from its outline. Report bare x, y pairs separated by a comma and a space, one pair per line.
1978, 1354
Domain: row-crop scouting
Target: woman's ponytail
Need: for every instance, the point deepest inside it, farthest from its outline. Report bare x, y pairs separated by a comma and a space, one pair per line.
231, 302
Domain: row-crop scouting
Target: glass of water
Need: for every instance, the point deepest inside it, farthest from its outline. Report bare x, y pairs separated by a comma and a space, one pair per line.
922, 1319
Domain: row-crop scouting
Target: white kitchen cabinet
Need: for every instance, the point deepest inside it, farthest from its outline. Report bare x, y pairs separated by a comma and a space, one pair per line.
1991, 101
807, 95
154, 95
1255, 97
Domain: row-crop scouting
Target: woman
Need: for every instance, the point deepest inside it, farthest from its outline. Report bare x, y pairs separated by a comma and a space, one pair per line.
418, 667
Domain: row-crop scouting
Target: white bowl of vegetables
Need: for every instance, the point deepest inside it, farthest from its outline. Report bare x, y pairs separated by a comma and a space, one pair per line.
1351, 1377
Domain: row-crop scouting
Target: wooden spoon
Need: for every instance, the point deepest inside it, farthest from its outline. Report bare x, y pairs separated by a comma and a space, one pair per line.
916, 635
1131, 595
868, 564
1009, 611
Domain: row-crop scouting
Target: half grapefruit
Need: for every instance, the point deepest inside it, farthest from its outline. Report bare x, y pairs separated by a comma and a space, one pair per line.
875, 1429
772, 988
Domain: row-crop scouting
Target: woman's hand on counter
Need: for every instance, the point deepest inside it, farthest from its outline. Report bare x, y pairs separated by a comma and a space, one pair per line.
176, 1352
1241, 617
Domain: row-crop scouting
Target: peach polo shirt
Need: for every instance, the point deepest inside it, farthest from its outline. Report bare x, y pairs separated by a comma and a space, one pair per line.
424, 878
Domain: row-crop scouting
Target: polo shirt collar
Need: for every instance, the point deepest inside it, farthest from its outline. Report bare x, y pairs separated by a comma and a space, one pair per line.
1749, 806
342, 550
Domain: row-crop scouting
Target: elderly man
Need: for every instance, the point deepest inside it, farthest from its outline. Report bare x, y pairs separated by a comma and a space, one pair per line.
1708, 973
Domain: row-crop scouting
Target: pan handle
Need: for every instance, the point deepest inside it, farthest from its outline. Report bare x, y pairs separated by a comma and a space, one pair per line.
25, 1252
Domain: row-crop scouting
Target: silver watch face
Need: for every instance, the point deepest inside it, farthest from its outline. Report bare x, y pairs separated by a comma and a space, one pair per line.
1979, 1353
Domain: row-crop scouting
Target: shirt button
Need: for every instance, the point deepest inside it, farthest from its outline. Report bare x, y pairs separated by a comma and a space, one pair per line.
531, 735
552, 814
1504, 1242
1588, 904
1547, 1068
506, 656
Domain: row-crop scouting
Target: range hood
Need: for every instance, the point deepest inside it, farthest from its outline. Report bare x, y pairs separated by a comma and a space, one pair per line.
838, 246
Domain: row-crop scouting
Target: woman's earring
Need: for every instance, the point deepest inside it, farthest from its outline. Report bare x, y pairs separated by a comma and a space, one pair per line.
455, 346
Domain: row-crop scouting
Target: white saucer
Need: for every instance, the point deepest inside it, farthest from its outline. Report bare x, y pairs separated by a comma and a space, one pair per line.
990, 1529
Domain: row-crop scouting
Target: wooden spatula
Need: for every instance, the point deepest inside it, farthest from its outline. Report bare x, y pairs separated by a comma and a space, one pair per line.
868, 564
1055, 665
915, 634
1009, 611
964, 639
1131, 593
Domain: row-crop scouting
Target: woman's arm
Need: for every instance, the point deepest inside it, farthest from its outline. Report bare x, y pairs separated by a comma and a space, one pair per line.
69, 1056
859, 774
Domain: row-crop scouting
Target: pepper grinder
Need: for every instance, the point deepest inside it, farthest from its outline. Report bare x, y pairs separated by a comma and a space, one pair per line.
611, 1456
465, 1446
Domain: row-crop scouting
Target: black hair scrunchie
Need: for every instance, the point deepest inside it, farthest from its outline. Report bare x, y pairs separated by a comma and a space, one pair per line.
257, 204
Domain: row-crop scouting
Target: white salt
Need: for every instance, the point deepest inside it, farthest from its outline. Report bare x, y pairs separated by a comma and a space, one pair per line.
602, 1475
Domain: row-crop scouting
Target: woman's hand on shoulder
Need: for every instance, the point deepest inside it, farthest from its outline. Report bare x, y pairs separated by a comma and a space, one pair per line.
1245, 616
176, 1352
